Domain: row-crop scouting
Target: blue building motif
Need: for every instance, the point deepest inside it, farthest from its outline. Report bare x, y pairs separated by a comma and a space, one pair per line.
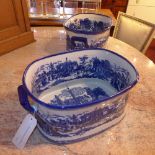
76, 43
79, 95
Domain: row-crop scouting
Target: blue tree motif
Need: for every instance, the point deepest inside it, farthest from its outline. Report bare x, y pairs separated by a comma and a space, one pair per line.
83, 59
95, 64
99, 92
83, 63
51, 70
100, 26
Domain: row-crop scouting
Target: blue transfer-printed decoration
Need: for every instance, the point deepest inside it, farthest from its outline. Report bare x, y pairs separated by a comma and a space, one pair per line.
75, 42
52, 74
79, 95
67, 126
87, 25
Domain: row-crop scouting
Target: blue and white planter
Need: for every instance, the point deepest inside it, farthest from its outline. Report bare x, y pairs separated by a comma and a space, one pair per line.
78, 94
87, 30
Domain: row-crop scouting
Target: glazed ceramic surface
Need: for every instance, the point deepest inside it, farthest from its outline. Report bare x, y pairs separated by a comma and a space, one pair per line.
78, 94
87, 31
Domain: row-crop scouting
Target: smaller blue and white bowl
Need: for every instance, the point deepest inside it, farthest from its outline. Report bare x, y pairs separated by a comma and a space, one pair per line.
87, 30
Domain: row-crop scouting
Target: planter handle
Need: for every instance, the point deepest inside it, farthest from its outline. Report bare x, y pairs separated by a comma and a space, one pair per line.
23, 98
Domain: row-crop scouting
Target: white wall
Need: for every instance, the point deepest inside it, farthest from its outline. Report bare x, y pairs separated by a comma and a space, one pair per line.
144, 9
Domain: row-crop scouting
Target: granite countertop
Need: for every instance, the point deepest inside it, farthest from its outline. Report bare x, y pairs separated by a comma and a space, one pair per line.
134, 135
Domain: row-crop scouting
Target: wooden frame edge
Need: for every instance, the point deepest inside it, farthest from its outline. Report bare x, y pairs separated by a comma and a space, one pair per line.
150, 36
16, 42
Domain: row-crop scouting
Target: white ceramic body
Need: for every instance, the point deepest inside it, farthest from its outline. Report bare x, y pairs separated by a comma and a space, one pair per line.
70, 123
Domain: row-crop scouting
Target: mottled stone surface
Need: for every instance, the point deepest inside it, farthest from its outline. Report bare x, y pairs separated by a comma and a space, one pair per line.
134, 135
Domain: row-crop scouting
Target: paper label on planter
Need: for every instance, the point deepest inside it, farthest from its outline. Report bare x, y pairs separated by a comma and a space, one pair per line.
24, 131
